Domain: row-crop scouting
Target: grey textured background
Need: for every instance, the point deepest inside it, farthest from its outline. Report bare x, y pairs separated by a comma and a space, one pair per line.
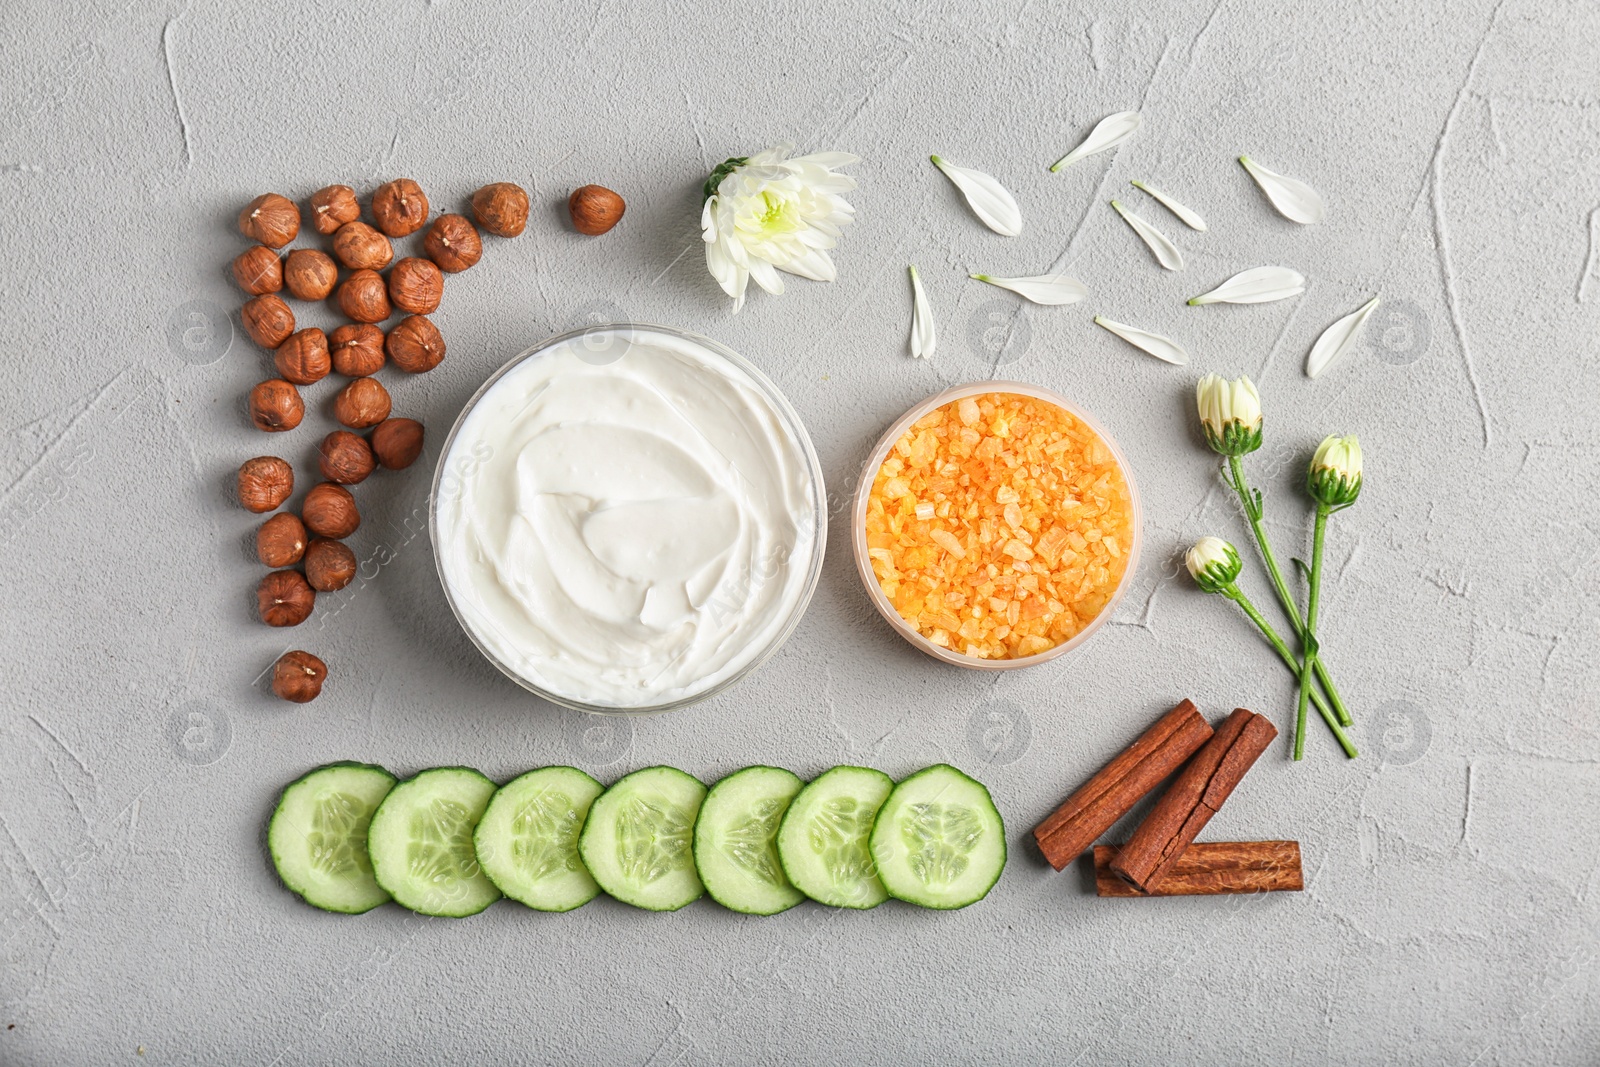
1451, 905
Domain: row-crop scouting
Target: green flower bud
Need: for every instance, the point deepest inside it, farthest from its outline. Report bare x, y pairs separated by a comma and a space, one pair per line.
1213, 563
1335, 475
1230, 414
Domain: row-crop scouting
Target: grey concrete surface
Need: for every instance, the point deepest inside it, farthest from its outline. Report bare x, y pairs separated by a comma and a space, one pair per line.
1451, 905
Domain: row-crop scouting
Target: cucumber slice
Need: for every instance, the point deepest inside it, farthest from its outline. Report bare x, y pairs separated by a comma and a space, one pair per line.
939, 841
823, 838
421, 842
735, 841
638, 839
318, 836
527, 840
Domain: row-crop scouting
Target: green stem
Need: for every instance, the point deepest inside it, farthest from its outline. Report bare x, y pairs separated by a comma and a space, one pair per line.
1235, 594
1252, 510
1312, 599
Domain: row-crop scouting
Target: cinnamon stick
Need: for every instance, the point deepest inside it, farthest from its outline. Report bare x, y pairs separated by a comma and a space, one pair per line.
1120, 784
1211, 867
1195, 796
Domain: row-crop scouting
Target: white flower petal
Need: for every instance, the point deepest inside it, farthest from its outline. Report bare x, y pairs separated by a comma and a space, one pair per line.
1258, 285
722, 268
1167, 253
815, 264
1338, 339
1163, 348
828, 160
1294, 199
987, 197
1188, 216
1108, 133
765, 275
923, 337
1041, 288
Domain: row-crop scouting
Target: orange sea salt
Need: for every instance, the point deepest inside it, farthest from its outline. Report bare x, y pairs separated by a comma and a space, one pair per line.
999, 526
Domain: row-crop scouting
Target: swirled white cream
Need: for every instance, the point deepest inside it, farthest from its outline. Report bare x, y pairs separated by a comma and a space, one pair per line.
626, 519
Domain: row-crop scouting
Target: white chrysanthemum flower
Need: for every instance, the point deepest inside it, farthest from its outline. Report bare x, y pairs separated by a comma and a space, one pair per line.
769, 213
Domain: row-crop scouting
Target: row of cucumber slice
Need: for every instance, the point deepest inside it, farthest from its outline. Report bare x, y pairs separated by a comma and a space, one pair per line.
348, 837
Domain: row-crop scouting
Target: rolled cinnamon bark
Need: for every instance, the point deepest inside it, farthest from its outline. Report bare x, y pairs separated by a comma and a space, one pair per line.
1195, 796
1211, 867
1120, 784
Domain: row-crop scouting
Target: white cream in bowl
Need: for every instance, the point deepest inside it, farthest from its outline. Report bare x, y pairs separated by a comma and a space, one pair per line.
628, 518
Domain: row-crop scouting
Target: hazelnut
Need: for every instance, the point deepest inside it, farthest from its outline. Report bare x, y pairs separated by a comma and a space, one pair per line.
330, 565
397, 442
330, 511
275, 406
271, 219
267, 319
265, 483
357, 349
332, 207
415, 285
285, 598
258, 270
298, 677
303, 358
364, 297
501, 208
415, 345
453, 243
309, 274
281, 540
362, 403
399, 207
345, 457
360, 247
595, 209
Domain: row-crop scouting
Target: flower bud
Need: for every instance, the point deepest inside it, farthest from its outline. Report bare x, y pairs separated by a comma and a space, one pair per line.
1213, 563
1230, 414
1335, 475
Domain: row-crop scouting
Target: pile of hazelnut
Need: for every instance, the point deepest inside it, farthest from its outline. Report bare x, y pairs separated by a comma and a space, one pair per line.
307, 551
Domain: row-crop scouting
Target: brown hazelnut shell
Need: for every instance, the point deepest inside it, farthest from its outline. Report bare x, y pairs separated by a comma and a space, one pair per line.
396, 443
330, 565
332, 206
281, 540
453, 243
303, 359
298, 677
360, 247
501, 208
309, 274
330, 511
399, 207
362, 403
595, 209
357, 349
258, 269
415, 345
265, 483
267, 319
285, 598
271, 219
364, 297
275, 406
416, 285
345, 457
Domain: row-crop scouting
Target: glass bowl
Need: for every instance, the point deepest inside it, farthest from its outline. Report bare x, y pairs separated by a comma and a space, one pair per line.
600, 345
858, 526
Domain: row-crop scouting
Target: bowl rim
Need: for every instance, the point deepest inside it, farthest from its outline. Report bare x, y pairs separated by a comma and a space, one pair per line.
858, 524
787, 415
